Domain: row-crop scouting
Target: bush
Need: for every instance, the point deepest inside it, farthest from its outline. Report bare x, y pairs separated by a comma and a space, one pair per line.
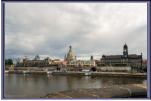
8, 61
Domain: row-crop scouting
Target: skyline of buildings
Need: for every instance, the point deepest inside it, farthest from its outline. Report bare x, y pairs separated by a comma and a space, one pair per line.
41, 57
70, 60
71, 55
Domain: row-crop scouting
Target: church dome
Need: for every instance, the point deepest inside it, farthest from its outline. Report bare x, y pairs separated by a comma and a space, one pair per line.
70, 55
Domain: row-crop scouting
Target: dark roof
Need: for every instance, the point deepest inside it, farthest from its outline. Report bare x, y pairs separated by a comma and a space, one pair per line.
114, 56
134, 56
131, 56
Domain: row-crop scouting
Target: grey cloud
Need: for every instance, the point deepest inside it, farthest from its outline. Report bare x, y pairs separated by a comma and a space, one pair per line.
91, 28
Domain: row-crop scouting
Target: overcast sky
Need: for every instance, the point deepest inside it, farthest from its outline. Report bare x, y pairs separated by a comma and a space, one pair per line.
94, 29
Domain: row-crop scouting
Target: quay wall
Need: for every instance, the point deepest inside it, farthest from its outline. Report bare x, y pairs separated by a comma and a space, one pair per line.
115, 91
26, 72
110, 74
103, 68
36, 68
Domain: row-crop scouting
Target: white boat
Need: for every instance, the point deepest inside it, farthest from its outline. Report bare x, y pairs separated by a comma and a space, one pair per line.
49, 72
6, 71
25, 72
88, 73
85, 70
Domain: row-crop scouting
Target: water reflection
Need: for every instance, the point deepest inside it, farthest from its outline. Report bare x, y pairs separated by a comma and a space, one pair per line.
35, 86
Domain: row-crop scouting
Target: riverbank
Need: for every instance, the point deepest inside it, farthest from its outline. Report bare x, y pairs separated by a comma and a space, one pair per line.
76, 73
126, 74
122, 91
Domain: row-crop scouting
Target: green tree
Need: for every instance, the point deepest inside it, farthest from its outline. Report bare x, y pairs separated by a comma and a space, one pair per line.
8, 61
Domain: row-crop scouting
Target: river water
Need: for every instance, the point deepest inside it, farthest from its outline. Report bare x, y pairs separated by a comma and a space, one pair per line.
35, 86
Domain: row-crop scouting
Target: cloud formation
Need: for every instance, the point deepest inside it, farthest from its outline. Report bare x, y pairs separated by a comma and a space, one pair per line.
94, 29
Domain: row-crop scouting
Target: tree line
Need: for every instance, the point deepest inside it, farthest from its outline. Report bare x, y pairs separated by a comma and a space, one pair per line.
8, 61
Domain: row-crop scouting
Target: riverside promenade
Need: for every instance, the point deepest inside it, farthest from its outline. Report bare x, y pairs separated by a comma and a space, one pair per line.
122, 91
126, 74
76, 73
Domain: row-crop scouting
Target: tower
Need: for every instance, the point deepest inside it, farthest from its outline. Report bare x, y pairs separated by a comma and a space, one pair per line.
141, 59
91, 58
70, 55
125, 51
37, 57
65, 57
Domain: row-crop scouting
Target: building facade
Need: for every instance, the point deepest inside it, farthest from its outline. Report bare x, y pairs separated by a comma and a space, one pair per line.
81, 63
36, 62
73, 62
122, 60
70, 55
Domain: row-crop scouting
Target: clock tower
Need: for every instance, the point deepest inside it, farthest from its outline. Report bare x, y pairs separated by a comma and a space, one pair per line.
125, 51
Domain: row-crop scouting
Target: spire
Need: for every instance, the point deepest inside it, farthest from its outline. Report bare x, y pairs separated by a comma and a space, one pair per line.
141, 54
125, 45
91, 58
125, 50
65, 57
70, 48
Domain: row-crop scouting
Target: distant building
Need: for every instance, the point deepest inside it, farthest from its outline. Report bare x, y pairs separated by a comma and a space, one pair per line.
73, 62
59, 62
36, 62
98, 63
82, 63
144, 65
70, 55
122, 60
